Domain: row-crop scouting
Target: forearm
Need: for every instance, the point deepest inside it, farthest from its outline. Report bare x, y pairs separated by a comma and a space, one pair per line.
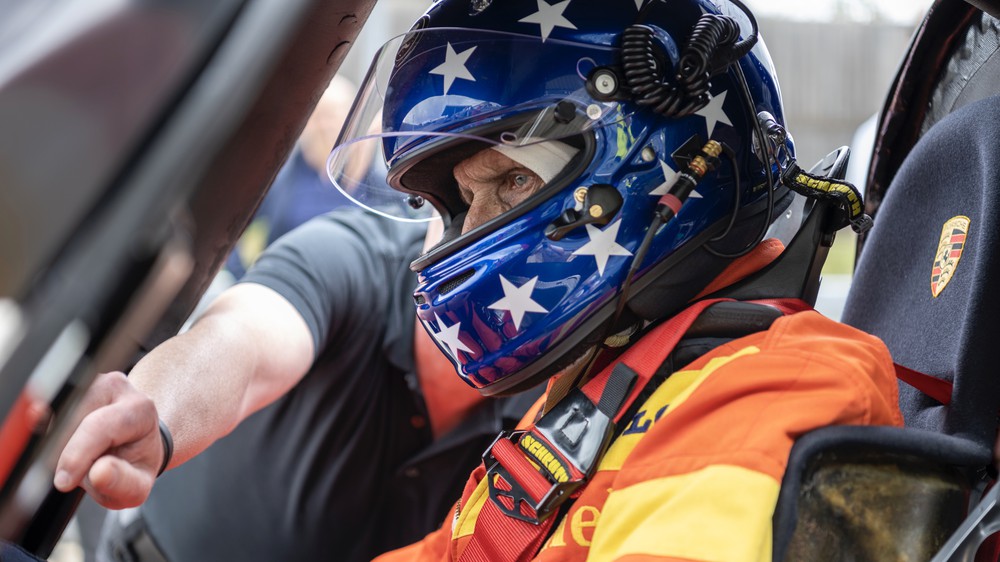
197, 383
236, 359
248, 349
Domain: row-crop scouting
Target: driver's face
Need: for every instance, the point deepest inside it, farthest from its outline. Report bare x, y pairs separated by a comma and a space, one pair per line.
491, 184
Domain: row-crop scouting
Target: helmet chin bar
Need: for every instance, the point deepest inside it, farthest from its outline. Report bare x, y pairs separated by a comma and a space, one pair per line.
594, 330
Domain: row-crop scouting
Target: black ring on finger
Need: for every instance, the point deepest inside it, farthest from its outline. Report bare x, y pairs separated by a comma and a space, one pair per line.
168, 446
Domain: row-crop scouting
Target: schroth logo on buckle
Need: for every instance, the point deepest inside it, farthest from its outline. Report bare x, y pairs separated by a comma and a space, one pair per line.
564, 448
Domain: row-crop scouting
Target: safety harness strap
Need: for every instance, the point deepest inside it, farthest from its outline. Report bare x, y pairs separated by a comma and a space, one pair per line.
938, 389
501, 538
531, 473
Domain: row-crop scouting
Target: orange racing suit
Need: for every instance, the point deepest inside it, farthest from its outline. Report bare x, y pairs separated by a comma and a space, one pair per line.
695, 474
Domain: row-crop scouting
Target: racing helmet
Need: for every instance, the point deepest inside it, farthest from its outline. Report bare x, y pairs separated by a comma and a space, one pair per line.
619, 100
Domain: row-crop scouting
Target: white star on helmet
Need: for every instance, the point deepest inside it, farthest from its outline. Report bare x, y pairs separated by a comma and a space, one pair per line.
603, 245
549, 17
517, 300
714, 113
449, 336
454, 66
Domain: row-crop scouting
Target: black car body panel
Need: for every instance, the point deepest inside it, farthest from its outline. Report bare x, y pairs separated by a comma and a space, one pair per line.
138, 138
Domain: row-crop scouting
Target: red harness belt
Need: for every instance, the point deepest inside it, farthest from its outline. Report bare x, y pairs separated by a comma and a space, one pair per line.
938, 389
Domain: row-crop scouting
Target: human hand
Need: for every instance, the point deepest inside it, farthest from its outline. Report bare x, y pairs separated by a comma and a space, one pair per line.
116, 451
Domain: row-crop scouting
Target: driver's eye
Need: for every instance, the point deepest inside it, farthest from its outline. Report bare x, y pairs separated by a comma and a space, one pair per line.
521, 180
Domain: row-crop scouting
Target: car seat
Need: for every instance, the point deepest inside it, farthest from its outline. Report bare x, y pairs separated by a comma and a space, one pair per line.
923, 284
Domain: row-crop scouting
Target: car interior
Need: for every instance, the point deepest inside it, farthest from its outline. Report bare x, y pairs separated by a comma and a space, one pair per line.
130, 167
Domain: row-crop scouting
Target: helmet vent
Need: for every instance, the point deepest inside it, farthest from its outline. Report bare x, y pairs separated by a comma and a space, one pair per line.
451, 284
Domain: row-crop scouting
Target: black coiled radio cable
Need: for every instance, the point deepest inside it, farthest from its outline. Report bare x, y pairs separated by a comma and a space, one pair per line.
713, 45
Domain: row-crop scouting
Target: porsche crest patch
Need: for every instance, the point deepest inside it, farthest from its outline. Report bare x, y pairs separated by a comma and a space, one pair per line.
949, 251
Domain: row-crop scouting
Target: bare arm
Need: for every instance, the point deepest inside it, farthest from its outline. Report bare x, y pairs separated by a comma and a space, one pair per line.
247, 350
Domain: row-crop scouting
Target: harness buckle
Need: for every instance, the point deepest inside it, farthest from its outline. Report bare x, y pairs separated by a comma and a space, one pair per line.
512, 497
563, 448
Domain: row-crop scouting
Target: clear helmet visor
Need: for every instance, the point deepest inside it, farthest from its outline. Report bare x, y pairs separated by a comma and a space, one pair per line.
435, 96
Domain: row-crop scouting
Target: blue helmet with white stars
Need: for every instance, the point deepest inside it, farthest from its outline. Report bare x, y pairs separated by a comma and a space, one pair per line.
619, 100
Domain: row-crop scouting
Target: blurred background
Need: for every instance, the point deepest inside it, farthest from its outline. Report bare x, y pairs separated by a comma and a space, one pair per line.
835, 60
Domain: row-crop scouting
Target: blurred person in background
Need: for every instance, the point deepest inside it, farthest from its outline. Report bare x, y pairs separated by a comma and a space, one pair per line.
301, 190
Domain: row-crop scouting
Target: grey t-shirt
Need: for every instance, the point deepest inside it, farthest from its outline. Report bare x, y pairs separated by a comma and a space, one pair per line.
344, 466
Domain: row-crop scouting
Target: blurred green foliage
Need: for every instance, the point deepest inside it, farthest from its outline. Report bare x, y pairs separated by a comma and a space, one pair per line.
840, 261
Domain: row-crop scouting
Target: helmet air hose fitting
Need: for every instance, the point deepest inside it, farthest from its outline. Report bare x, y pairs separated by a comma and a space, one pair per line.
687, 180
